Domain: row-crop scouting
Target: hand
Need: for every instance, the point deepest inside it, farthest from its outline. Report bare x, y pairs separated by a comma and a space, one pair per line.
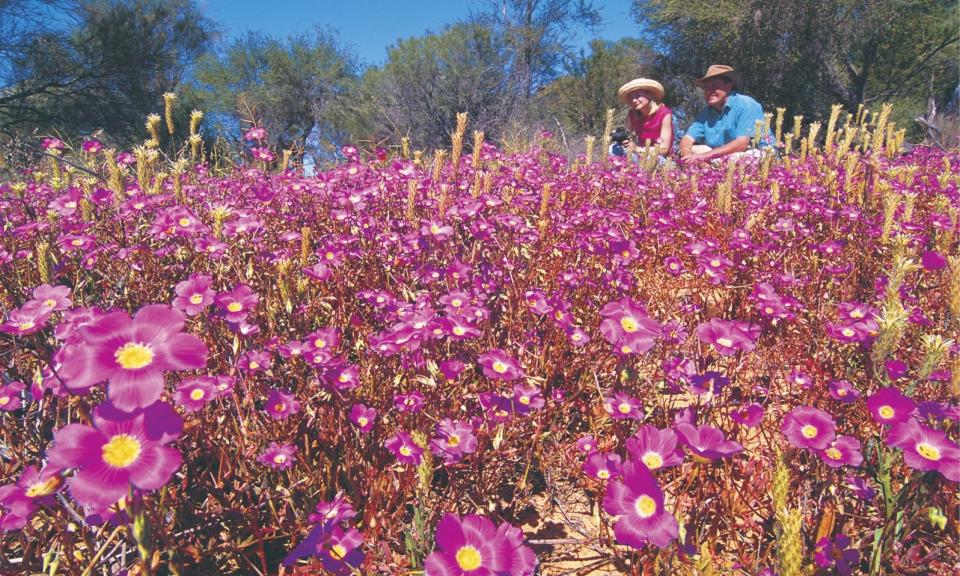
696, 158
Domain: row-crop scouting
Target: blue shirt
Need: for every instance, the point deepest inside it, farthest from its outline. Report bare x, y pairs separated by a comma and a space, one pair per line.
738, 118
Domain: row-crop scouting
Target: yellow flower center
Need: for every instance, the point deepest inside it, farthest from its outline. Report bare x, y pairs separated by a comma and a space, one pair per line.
184, 222
645, 506
833, 453
499, 367
434, 229
652, 460
234, 307
26, 325
768, 310
809, 431
330, 255
624, 408
626, 349
886, 412
629, 324
320, 343
856, 314
197, 394
50, 302
524, 400
927, 451
576, 337
279, 459
468, 558
279, 407
362, 421
725, 342
715, 263
460, 331
133, 356
338, 552
841, 391
453, 440
456, 303
254, 365
848, 332
625, 254
76, 242
405, 451
603, 474
196, 299
121, 451
44, 488
4, 400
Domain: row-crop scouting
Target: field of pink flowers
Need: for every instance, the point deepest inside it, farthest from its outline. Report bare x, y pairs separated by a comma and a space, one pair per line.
481, 364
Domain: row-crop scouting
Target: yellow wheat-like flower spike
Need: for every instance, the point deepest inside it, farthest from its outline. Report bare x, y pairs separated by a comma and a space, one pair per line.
153, 126
412, 202
790, 547
168, 99
285, 162
405, 147
881, 127
831, 126
545, 207
935, 349
425, 468
608, 128
458, 142
478, 136
779, 124
797, 126
814, 130
589, 141
196, 148
953, 288
438, 157
305, 245
196, 117
780, 489
42, 254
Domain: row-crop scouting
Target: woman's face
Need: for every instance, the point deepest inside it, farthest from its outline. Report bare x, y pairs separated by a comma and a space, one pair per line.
639, 99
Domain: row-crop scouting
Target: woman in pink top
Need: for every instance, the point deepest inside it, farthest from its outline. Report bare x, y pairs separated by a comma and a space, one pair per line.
648, 118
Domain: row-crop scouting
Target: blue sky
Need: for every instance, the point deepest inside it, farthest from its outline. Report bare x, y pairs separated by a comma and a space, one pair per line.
368, 27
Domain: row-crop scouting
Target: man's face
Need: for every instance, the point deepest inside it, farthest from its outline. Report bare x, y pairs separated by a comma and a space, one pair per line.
716, 91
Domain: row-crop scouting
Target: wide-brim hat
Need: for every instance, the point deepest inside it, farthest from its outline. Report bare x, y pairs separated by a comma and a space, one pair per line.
721, 70
640, 84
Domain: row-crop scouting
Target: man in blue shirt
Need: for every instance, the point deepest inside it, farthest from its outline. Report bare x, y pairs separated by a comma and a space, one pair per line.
726, 125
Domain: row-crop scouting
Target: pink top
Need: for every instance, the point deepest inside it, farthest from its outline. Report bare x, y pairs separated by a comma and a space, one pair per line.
649, 129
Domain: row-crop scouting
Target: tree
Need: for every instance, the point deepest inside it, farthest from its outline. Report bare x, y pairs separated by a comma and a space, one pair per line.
807, 55
580, 99
295, 89
539, 35
100, 64
426, 81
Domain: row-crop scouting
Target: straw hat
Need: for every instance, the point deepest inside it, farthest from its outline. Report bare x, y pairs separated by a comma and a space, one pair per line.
724, 71
640, 84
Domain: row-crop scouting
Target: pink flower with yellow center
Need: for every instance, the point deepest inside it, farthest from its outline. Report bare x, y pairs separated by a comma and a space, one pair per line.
496, 364
926, 449
278, 456
808, 427
638, 501
237, 303
131, 354
120, 450
889, 406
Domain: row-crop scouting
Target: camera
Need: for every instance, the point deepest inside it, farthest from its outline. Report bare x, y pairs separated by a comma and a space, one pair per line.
620, 135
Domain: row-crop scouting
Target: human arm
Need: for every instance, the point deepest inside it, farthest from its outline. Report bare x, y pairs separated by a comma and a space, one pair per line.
666, 134
738, 144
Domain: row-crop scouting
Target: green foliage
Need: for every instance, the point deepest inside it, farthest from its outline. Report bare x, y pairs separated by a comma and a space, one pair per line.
807, 55
296, 89
580, 99
426, 81
100, 64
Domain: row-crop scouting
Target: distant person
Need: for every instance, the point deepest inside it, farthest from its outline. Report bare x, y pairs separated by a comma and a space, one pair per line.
725, 127
648, 119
